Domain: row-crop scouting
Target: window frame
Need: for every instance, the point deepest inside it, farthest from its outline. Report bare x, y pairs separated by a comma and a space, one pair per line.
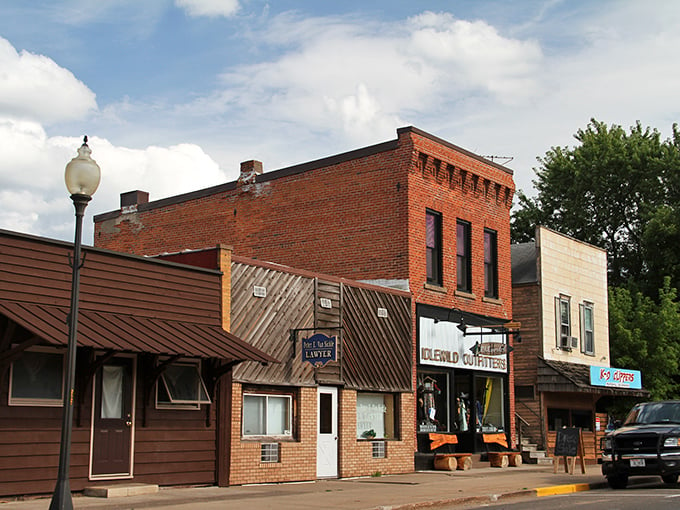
434, 274
464, 259
490, 266
391, 431
179, 404
290, 397
561, 326
584, 308
37, 401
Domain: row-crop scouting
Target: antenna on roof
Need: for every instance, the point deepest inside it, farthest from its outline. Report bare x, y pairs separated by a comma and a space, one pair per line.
506, 159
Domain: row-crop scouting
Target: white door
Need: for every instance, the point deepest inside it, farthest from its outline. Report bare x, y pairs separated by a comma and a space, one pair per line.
327, 433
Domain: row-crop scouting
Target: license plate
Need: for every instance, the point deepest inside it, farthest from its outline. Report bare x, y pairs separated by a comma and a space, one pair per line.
637, 462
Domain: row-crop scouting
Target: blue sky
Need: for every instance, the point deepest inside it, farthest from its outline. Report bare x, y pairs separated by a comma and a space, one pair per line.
174, 94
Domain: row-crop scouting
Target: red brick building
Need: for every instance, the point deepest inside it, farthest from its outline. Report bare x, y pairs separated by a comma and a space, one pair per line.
417, 213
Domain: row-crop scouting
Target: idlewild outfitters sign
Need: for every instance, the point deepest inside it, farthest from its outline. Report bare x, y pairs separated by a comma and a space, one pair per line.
319, 349
443, 344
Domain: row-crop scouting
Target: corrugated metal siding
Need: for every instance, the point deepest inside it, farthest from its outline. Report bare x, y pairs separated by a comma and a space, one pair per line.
38, 271
375, 354
330, 318
266, 322
377, 350
130, 333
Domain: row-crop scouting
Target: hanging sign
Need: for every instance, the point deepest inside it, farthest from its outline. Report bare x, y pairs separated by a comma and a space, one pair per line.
319, 349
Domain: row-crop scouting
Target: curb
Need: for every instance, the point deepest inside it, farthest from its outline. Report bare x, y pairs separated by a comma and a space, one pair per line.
493, 498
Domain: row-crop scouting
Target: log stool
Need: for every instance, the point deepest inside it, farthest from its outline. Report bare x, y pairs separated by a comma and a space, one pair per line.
505, 459
453, 461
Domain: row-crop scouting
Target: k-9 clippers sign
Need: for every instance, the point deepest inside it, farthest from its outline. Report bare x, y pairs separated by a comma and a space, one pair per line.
615, 377
319, 349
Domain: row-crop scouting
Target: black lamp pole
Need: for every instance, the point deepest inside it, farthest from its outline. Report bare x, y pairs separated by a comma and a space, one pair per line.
82, 175
61, 499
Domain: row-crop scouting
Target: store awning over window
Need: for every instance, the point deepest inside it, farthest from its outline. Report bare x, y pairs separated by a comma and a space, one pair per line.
561, 376
132, 333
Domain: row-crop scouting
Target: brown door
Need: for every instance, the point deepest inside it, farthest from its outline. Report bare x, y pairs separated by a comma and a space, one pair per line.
113, 419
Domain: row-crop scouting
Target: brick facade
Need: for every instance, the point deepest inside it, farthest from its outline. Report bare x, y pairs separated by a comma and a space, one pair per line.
359, 215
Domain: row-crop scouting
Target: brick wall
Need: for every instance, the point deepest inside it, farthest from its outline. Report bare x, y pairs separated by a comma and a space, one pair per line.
360, 215
356, 455
296, 456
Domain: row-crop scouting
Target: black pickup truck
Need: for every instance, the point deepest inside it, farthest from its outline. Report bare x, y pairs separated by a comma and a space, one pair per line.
648, 443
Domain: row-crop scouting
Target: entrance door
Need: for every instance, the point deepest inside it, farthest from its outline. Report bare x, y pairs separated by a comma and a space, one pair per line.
327, 437
112, 430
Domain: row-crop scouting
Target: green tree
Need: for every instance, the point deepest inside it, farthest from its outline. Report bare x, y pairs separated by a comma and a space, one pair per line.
645, 335
603, 191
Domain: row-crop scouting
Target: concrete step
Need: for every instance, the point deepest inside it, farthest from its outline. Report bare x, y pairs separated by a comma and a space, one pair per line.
120, 490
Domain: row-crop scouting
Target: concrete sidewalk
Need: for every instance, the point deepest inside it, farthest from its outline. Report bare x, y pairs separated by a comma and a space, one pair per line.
396, 492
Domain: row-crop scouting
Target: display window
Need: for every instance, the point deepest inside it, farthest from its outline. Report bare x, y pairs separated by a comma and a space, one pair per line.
489, 405
433, 402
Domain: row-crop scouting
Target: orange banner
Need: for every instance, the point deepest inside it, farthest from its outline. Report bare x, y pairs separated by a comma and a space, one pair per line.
495, 438
442, 439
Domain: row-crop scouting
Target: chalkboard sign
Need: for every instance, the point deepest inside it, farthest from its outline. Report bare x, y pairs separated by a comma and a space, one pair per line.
566, 442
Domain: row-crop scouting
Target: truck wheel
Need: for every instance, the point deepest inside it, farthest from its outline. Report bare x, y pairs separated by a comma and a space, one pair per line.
617, 481
671, 478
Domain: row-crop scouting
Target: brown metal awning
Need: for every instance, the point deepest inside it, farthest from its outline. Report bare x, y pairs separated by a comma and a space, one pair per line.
561, 376
131, 333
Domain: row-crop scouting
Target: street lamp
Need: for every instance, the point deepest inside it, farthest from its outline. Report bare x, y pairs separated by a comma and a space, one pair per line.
82, 179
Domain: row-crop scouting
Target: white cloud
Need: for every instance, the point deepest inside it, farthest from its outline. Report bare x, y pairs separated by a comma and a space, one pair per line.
34, 87
33, 194
210, 8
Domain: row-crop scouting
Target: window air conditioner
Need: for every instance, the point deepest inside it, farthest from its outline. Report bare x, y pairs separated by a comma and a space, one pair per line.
574, 342
565, 343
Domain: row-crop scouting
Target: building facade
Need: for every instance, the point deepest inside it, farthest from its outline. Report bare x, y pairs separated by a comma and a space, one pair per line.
150, 401
416, 213
340, 402
560, 297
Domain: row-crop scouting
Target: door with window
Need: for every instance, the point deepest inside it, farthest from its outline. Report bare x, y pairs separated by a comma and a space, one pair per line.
327, 437
113, 419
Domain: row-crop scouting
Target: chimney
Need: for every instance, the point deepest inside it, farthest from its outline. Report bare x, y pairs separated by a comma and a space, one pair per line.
131, 199
249, 172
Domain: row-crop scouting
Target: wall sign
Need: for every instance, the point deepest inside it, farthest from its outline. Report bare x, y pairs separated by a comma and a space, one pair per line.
615, 377
319, 349
443, 344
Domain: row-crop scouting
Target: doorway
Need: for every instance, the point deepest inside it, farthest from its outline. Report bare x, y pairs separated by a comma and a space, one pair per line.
327, 433
112, 438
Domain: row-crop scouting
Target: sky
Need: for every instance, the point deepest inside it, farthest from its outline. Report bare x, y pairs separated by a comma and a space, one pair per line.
174, 94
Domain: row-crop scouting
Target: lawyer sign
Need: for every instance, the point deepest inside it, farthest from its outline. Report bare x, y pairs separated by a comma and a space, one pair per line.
319, 349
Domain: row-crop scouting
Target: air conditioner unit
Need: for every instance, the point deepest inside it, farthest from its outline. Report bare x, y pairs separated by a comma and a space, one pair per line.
565, 342
574, 342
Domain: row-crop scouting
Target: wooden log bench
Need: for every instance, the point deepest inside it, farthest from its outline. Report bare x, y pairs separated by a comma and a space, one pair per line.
453, 461
505, 459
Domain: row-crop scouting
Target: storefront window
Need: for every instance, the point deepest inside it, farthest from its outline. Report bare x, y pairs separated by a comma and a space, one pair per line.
433, 397
489, 400
376, 416
558, 418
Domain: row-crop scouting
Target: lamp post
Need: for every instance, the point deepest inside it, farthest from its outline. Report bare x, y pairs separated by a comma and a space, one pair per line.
82, 177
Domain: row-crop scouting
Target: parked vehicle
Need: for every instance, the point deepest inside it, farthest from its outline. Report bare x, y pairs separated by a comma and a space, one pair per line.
648, 443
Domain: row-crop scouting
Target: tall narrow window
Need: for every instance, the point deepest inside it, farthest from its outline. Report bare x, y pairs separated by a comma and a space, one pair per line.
587, 327
434, 247
490, 264
463, 260
563, 322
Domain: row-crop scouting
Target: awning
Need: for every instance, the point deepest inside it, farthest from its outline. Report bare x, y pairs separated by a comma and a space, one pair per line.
132, 333
561, 376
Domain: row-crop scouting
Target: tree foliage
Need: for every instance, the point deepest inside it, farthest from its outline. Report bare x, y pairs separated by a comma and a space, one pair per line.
621, 191
645, 336
605, 191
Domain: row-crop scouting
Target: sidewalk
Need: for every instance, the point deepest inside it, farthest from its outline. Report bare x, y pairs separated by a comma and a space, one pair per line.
396, 492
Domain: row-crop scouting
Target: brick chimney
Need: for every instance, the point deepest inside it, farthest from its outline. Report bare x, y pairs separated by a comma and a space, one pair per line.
131, 199
249, 172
